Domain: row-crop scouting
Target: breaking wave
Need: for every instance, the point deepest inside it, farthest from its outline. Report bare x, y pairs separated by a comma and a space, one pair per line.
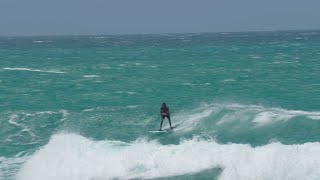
71, 156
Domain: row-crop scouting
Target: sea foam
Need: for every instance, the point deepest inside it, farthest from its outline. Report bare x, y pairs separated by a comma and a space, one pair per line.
253, 115
73, 157
33, 70
90, 76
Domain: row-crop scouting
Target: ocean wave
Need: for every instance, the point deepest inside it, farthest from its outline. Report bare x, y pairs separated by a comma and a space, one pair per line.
238, 123
13, 120
71, 156
220, 114
33, 70
29, 124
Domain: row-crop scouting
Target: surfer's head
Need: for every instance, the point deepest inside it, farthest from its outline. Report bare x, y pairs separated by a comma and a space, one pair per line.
164, 105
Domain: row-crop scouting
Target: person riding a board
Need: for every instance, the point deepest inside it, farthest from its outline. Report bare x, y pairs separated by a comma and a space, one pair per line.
164, 112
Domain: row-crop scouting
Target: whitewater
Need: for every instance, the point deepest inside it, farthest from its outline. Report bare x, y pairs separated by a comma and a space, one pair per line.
244, 105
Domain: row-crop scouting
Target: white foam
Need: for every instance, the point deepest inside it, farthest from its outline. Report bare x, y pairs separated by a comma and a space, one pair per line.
91, 76
237, 114
188, 122
65, 114
62, 111
132, 106
128, 92
33, 70
13, 120
188, 84
104, 108
73, 157
18, 120
41, 41
100, 37
229, 80
265, 114
255, 56
88, 110
10, 166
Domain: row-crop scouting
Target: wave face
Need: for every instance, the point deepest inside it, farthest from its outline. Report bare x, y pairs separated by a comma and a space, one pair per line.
253, 124
72, 156
244, 106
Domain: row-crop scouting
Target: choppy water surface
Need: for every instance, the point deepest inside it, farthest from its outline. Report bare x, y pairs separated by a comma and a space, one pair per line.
245, 106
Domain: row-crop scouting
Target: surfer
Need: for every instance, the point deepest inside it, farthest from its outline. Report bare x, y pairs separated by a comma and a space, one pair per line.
164, 112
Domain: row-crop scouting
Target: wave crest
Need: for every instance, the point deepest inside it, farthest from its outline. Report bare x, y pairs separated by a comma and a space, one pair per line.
71, 156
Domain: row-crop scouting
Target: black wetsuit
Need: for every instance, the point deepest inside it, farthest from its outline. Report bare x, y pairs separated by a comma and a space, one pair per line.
165, 113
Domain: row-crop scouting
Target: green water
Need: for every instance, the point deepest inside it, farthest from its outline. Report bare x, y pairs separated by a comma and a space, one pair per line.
81, 107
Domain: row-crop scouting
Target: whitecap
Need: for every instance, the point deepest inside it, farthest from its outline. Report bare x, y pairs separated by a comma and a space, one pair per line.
90, 76
188, 84
84, 158
132, 106
255, 56
14, 120
236, 115
88, 110
229, 80
100, 37
33, 70
39, 41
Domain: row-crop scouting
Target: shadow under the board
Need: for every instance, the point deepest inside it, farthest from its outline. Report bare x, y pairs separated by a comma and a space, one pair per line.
211, 174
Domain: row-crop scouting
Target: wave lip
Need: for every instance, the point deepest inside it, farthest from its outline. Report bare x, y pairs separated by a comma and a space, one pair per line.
33, 70
71, 156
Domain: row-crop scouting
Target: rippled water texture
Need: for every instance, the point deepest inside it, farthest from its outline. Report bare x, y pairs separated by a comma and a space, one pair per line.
245, 106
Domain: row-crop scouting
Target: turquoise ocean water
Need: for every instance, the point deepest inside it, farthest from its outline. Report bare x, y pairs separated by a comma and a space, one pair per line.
245, 106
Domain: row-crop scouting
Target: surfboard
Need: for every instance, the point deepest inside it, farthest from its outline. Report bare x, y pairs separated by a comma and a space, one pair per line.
163, 130
158, 131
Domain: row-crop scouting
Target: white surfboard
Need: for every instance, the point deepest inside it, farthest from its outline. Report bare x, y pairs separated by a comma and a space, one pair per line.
158, 131
163, 130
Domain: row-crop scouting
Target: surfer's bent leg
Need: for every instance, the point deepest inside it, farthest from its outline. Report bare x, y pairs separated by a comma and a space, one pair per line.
169, 121
162, 118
